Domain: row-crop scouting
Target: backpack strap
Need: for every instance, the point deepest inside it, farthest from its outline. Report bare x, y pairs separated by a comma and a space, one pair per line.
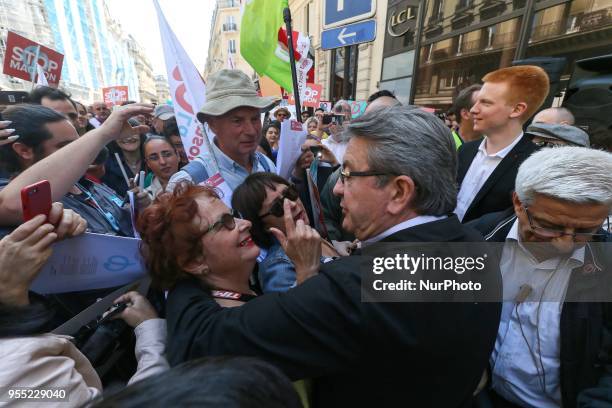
264, 161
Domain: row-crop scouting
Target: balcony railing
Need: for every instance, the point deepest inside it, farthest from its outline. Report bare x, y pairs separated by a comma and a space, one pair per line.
469, 47
230, 27
228, 3
574, 24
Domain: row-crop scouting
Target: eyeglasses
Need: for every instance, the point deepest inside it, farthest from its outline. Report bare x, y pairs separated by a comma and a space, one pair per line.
559, 232
544, 143
277, 209
227, 221
166, 154
347, 174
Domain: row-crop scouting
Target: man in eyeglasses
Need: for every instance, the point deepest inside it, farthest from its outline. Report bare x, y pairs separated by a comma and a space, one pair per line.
554, 339
337, 140
394, 189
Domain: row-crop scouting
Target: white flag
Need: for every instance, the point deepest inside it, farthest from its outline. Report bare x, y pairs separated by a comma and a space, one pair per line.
188, 93
187, 89
42, 79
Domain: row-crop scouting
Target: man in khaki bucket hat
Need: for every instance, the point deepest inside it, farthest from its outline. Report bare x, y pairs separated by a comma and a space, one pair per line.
233, 112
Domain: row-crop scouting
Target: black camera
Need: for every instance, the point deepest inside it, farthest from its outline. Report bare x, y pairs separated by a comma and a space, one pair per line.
317, 151
329, 118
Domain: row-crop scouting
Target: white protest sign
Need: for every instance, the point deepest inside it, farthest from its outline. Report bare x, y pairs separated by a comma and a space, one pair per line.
90, 261
292, 137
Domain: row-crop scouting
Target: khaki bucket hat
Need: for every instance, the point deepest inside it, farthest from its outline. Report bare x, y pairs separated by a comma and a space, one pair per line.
229, 89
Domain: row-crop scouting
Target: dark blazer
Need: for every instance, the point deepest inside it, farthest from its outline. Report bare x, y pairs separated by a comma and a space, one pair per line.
585, 327
357, 353
496, 193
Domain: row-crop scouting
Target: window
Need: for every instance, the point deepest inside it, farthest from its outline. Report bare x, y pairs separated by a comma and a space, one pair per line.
344, 73
312, 21
459, 45
230, 24
231, 46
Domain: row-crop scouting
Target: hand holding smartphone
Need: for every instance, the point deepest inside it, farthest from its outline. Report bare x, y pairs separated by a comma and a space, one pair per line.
36, 199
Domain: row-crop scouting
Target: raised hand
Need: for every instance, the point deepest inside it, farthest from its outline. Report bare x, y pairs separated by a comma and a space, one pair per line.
117, 126
138, 309
22, 255
301, 243
7, 135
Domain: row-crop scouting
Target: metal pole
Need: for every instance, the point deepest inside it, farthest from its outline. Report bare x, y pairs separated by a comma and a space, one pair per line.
296, 90
417, 48
523, 40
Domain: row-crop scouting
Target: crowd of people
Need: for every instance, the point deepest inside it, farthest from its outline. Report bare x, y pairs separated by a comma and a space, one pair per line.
258, 300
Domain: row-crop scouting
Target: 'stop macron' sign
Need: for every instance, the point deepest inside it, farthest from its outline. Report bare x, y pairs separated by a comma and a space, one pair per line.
340, 12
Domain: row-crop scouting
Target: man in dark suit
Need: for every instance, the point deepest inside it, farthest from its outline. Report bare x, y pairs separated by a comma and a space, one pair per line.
555, 335
487, 168
393, 189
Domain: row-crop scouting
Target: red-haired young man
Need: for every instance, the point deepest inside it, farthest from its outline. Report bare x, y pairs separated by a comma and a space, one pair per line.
487, 168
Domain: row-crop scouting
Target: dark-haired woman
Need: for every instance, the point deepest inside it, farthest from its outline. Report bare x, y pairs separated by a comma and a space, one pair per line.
163, 161
260, 199
272, 134
129, 149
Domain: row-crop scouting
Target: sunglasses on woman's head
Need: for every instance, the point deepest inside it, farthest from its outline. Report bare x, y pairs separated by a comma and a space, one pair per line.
277, 209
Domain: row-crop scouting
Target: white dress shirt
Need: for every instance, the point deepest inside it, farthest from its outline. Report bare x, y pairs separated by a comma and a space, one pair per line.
481, 168
413, 222
514, 375
337, 148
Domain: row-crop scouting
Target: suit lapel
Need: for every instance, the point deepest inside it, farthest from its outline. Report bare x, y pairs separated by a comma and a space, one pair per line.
467, 154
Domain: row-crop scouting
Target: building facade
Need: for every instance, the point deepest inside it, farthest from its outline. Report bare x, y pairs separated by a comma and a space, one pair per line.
428, 61
97, 52
28, 19
344, 73
224, 46
461, 40
144, 71
162, 89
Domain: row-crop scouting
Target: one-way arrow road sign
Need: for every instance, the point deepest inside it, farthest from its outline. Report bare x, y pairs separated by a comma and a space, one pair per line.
364, 31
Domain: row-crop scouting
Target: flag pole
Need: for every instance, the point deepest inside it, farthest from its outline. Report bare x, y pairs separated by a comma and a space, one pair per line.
296, 90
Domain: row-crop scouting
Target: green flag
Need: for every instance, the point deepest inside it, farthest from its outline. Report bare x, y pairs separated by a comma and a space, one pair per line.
261, 21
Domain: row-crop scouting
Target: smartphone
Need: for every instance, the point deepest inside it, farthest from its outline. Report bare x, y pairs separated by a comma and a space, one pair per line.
327, 118
36, 199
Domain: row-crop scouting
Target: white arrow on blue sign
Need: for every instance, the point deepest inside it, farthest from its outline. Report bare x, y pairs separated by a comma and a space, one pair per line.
364, 31
341, 12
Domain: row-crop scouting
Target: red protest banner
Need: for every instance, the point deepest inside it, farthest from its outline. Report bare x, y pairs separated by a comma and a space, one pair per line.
20, 55
114, 95
313, 96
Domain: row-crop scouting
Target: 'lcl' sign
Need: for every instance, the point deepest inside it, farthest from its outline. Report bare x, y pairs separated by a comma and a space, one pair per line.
397, 25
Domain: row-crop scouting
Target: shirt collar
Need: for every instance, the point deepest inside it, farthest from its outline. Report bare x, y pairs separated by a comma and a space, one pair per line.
513, 235
413, 222
225, 162
503, 152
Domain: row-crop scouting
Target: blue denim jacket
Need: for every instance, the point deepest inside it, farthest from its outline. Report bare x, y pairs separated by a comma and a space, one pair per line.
276, 271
